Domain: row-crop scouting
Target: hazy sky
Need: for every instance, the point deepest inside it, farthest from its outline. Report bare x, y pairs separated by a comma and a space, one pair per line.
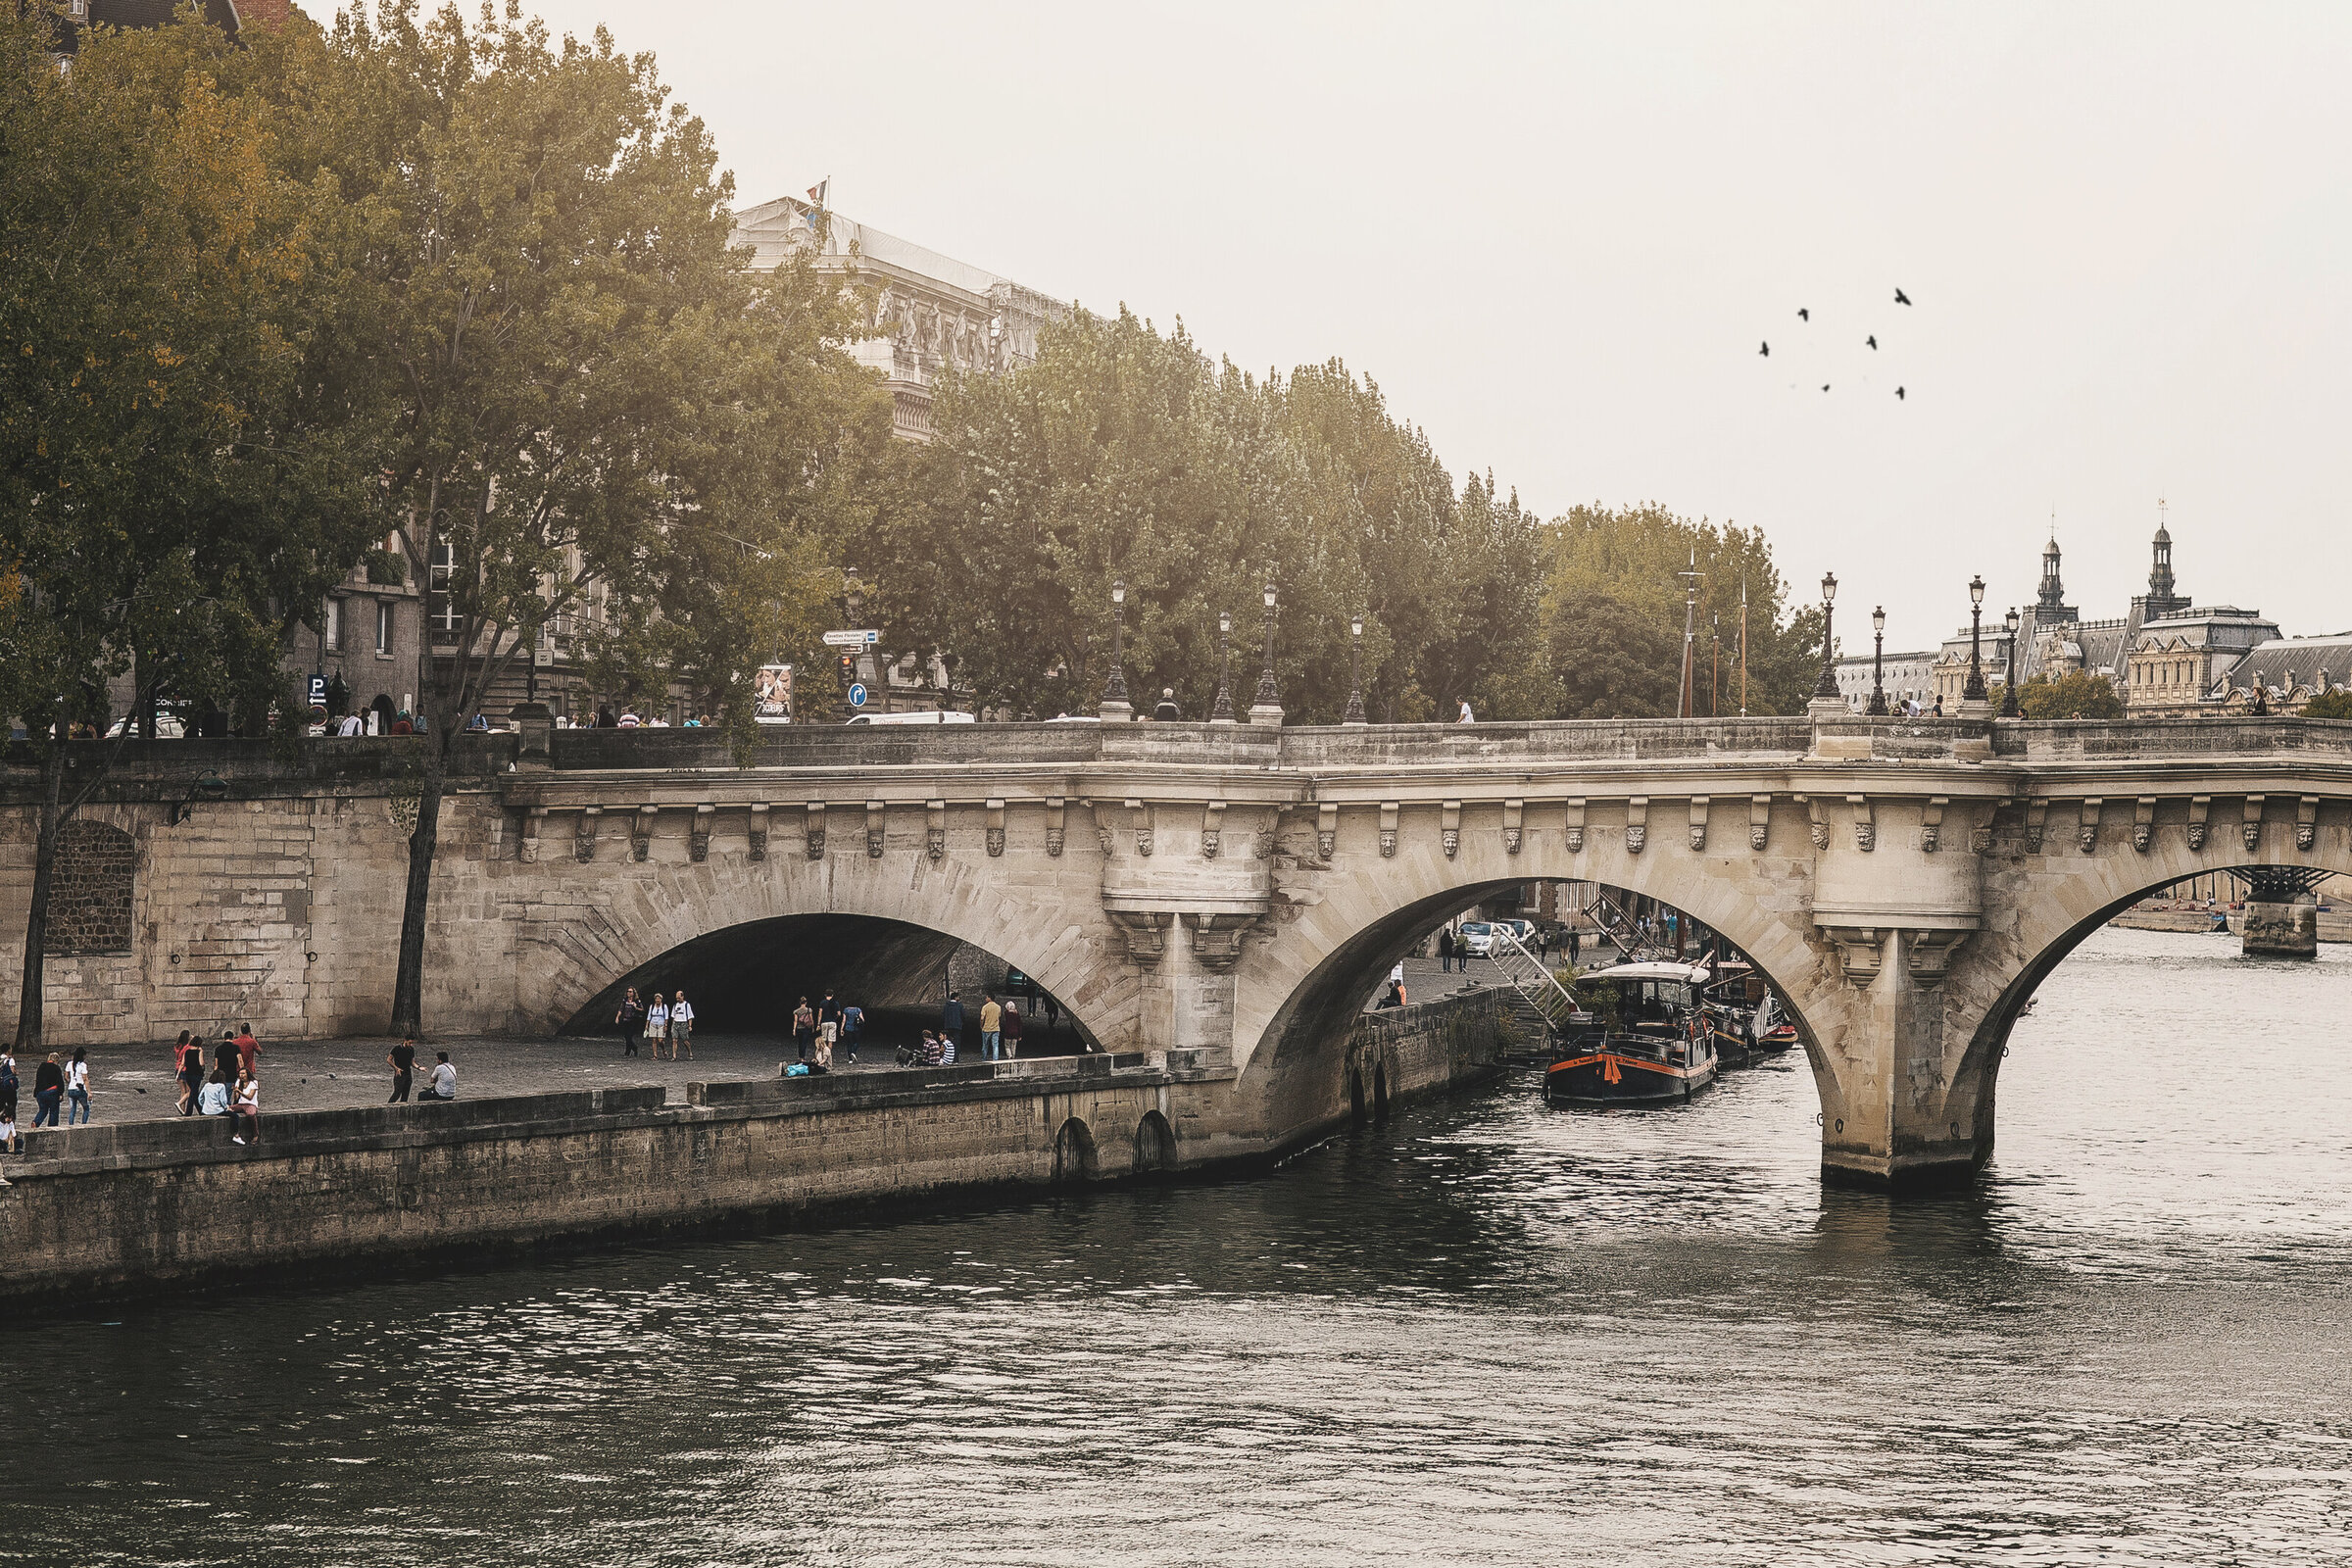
1556, 235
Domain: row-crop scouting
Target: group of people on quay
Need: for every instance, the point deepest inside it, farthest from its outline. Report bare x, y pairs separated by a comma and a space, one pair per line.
666, 1023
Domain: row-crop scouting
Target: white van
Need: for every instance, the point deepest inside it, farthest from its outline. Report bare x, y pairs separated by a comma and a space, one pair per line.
943, 717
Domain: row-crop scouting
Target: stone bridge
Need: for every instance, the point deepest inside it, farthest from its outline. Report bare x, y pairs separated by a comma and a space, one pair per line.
1222, 897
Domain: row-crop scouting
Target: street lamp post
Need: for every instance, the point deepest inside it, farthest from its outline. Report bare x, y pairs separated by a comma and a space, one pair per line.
1974, 692
2009, 707
1355, 672
1877, 663
1222, 714
1826, 688
1113, 708
1267, 708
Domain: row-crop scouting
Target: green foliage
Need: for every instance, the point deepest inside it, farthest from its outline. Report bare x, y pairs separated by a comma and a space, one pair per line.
1631, 558
1125, 454
2336, 704
2080, 695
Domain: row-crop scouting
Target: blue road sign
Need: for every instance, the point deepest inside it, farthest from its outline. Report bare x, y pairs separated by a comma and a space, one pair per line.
856, 694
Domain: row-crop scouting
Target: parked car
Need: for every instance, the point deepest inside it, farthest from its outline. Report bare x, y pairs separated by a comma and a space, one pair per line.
168, 727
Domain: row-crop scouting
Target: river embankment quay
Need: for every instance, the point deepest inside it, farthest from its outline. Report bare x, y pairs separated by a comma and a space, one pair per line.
2334, 924
142, 1207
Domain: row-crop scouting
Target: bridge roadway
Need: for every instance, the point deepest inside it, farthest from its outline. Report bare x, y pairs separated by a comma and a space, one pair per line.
1218, 897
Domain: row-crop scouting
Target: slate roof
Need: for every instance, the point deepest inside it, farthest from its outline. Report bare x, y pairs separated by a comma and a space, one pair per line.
2285, 663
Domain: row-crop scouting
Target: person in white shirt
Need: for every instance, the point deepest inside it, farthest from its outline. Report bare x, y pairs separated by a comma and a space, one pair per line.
656, 1024
445, 1079
681, 1026
77, 1086
348, 727
1466, 718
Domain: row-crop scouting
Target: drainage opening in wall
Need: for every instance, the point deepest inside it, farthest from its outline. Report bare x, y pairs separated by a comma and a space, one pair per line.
1155, 1143
1073, 1153
1355, 1093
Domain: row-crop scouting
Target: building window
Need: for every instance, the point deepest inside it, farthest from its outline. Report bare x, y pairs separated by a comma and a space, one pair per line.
334, 626
383, 627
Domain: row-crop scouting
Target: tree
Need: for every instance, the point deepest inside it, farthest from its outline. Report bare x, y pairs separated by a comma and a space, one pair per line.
2332, 704
2079, 695
1612, 661
1636, 555
163, 488
580, 372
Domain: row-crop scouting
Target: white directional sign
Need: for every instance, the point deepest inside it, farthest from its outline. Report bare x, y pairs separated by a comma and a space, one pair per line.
852, 639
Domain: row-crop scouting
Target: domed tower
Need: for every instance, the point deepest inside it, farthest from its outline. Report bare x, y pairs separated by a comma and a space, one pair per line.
2162, 600
2051, 608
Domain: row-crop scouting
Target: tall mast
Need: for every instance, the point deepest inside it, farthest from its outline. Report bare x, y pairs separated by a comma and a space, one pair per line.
1743, 645
1689, 626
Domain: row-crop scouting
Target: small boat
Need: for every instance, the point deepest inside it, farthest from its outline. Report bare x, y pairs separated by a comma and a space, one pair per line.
1645, 1041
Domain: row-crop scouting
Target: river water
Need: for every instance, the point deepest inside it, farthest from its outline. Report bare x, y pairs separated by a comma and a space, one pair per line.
1482, 1332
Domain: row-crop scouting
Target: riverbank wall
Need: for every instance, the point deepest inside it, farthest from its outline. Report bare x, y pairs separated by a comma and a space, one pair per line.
146, 1208
2335, 925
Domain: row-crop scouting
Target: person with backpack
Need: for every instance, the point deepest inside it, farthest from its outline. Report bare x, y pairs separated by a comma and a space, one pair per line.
657, 1023
804, 1029
681, 1027
853, 1024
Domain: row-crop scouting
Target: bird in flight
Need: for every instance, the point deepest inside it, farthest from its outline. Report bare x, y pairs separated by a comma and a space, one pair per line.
1803, 315
1766, 350
1902, 298
1872, 340
1899, 394
1824, 386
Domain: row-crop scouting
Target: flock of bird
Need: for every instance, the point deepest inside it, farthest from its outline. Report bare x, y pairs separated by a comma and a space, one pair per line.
1871, 341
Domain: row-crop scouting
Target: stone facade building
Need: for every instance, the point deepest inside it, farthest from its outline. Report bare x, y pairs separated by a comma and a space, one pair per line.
2163, 653
933, 313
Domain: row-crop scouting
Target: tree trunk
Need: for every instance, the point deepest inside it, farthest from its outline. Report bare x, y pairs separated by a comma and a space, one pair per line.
36, 913
408, 985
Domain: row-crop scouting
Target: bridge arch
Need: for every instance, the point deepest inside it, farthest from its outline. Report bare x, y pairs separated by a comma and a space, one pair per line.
887, 920
1343, 922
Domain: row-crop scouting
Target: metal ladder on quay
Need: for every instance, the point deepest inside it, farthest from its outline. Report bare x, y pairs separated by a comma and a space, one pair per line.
1544, 1003
1623, 934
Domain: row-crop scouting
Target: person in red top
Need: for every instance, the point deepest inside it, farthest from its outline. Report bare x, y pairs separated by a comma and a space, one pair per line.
248, 1048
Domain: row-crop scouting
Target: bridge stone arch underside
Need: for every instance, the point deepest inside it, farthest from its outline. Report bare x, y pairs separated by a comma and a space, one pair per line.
888, 922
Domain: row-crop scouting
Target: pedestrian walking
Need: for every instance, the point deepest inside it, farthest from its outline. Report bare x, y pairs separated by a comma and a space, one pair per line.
804, 1029
950, 1018
249, 1050
8, 1082
445, 1080
1574, 942
630, 1020
853, 1024
77, 1086
1445, 951
403, 1061
992, 1017
828, 1026
681, 1027
184, 1071
1053, 1014
48, 1091
245, 1108
224, 1056
1467, 718
656, 1024
1166, 711
1009, 1027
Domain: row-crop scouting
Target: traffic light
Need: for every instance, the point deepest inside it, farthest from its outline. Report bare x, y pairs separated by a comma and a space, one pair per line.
846, 666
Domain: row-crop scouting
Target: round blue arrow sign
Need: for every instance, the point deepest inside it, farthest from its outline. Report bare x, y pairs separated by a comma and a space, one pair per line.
857, 694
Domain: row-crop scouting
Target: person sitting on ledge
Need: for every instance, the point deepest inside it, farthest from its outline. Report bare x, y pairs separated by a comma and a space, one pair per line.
445, 1080
212, 1099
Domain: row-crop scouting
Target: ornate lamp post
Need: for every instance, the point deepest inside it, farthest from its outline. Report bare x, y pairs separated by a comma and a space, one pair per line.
1267, 708
1113, 708
1222, 714
1974, 691
1355, 672
1827, 686
1877, 663
2009, 707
